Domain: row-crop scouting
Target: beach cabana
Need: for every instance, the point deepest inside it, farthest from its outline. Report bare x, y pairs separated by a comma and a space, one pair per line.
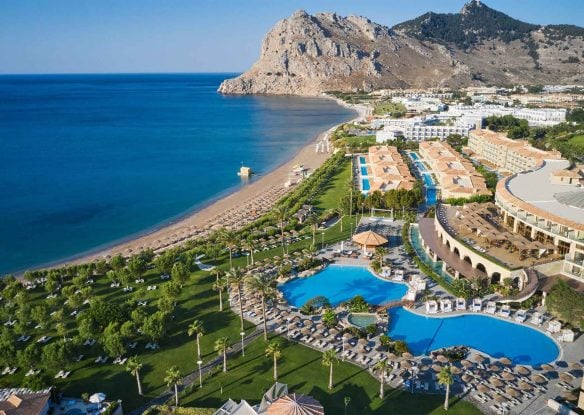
369, 239
554, 326
477, 305
491, 307
460, 304
537, 318
520, 316
446, 305
567, 336
431, 307
505, 311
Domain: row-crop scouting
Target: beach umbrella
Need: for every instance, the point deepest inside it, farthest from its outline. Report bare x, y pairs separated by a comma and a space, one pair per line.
423, 368
333, 331
495, 382
407, 355
478, 358
508, 376
97, 398
538, 378
392, 356
514, 393
566, 376
436, 368
483, 388
467, 378
320, 326
505, 361
466, 363
495, 368
570, 396
522, 370
317, 334
305, 330
547, 367
363, 342
407, 364
576, 365
525, 386
455, 370
307, 322
347, 336
441, 358
500, 398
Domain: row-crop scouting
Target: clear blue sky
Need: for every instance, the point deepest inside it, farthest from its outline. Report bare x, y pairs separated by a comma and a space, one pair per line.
70, 36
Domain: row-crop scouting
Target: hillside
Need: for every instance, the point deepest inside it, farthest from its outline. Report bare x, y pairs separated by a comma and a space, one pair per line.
307, 55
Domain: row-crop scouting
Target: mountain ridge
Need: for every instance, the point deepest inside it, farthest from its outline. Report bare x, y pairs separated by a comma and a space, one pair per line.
309, 54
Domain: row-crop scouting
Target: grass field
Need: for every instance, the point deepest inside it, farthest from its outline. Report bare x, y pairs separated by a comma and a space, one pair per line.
337, 187
395, 109
301, 369
577, 139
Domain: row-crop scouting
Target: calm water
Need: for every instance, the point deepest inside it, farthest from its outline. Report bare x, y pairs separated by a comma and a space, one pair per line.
86, 160
340, 283
498, 338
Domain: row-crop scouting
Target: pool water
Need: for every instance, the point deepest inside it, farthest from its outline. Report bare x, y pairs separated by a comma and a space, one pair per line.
490, 335
365, 185
74, 411
431, 196
428, 181
362, 160
421, 166
362, 320
414, 156
363, 171
340, 283
417, 245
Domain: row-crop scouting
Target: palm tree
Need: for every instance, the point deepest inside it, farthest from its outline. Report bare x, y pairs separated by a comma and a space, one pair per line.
312, 220
221, 346
382, 366
445, 378
329, 358
281, 214
263, 285
220, 286
134, 367
236, 278
173, 378
385, 341
340, 211
248, 244
379, 253
196, 328
230, 239
275, 351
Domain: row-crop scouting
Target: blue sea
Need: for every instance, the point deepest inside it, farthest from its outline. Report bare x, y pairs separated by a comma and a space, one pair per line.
88, 160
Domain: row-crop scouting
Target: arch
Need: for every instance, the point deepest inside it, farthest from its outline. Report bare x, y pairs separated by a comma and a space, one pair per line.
456, 252
467, 259
495, 278
448, 245
481, 267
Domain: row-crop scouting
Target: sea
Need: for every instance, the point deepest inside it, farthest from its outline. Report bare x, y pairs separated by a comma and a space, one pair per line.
87, 161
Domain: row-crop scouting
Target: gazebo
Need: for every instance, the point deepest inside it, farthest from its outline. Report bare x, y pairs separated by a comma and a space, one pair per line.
369, 239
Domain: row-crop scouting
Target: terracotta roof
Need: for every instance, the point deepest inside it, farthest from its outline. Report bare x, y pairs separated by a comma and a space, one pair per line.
369, 238
296, 404
24, 404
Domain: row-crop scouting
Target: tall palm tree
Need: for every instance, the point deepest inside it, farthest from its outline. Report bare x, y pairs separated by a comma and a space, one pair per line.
134, 367
173, 378
220, 286
382, 366
312, 220
379, 253
236, 278
329, 358
248, 244
281, 214
263, 285
445, 378
221, 346
341, 212
274, 350
196, 328
231, 240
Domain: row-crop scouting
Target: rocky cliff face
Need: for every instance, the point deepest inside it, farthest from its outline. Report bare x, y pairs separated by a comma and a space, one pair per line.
308, 55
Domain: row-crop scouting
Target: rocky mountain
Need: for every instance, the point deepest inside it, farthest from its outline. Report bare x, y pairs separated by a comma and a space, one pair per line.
308, 55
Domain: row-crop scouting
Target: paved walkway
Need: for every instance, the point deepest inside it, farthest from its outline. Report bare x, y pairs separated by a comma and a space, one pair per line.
193, 377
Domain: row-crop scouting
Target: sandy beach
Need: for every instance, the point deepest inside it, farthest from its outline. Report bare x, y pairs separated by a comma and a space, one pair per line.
235, 209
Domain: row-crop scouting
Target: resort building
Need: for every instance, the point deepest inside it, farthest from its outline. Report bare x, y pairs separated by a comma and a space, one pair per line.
506, 155
386, 170
24, 402
420, 128
546, 205
536, 117
456, 176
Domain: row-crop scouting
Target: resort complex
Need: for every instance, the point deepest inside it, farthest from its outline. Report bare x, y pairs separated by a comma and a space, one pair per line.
383, 169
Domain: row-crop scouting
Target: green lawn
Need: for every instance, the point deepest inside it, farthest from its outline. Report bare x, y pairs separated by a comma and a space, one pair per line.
577, 139
332, 192
301, 369
389, 108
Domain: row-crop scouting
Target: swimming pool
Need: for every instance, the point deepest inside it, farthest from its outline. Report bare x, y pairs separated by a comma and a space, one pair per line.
362, 320
428, 181
340, 283
365, 185
362, 160
490, 335
417, 245
431, 196
414, 156
421, 166
363, 171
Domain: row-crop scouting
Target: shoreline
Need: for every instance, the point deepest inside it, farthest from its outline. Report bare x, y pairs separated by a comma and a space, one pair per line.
198, 222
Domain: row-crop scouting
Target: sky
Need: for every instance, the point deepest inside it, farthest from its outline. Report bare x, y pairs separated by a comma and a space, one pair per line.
135, 36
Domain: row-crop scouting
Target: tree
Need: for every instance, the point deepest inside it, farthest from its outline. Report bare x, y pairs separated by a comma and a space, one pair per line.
40, 314
134, 367
236, 278
61, 330
137, 266
163, 263
7, 347
248, 244
329, 358
173, 378
385, 341
381, 366
274, 350
179, 273
125, 276
52, 282
341, 212
312, 221
220, 286
379, 253
445, 378
263, 285
112, 340
281, 214
230, 240
55, 355
196, 328
118, 262
221, 346
154, 326
329, 318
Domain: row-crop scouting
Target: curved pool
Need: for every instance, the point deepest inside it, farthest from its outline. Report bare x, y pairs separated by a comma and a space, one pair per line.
340, 283
490, 335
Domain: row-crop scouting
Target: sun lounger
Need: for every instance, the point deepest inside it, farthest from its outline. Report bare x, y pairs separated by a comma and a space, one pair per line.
520, 316
491, 307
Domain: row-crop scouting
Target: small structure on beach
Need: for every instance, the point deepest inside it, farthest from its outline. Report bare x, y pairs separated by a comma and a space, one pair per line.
369, 239
245, 171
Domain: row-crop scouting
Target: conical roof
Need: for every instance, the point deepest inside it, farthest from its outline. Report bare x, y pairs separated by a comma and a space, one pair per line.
296, 404
369, 238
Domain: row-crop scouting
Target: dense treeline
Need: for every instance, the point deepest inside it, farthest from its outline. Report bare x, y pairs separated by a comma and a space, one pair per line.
567, 304
515, 127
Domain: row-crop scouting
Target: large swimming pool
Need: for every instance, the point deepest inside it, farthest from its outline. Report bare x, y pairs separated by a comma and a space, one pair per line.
363, 171
365, 186
340, 283
490, 335
428, 181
